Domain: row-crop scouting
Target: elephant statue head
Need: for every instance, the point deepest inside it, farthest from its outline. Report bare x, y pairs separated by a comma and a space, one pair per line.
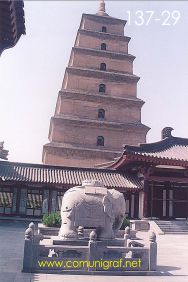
94, 206
119, 209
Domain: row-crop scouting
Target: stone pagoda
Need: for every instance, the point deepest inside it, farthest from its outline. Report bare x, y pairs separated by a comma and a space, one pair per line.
97, 109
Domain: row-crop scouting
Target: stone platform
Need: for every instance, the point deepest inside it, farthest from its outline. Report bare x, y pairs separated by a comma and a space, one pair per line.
172, 260
52, 254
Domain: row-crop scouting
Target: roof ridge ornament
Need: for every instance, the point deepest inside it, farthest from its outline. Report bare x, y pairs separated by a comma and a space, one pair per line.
102, 9
166, 132
3, 152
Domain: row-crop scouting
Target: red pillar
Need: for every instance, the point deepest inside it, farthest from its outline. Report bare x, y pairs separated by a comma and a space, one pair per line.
145, 201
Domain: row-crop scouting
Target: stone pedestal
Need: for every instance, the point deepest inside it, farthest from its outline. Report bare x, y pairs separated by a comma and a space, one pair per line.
140, 225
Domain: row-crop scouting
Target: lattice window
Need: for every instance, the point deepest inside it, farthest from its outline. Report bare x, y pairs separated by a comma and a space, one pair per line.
34, 202
6, 198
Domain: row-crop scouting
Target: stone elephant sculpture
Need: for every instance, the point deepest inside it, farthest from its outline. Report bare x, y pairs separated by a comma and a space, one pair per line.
94, 206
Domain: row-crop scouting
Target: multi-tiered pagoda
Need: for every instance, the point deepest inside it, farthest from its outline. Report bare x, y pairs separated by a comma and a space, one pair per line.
97, 108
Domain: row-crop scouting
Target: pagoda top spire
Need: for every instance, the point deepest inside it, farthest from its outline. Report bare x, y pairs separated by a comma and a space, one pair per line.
102, 9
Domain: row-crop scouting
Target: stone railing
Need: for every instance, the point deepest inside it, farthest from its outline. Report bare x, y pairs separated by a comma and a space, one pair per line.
53, 231
46, 254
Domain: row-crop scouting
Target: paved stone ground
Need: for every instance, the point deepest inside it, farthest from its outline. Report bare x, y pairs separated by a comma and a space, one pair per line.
172, 260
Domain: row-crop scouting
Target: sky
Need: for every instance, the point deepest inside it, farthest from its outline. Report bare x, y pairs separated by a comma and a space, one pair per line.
31, 73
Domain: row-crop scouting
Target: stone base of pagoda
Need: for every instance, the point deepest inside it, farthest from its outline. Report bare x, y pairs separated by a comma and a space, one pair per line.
80, 157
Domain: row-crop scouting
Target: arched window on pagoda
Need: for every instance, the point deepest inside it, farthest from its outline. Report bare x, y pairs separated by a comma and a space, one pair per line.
104, 29
102, 88
101, 113
103, 46
103, 66
100, 141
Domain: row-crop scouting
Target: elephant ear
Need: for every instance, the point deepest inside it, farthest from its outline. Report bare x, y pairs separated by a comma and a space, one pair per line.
107, 206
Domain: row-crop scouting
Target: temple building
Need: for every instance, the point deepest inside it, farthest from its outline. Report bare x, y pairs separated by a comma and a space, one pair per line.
163, 169
12, 23
153, 178
97, 112
97, 109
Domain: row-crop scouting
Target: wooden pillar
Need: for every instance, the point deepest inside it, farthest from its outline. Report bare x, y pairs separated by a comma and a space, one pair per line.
143, 205
23, 201
132, 205
45, 203
145, 213
151, 204
53, 201
164, 203
127, 207
171, 214
127, 204
136, 204
145, 200
187, 204
14, 201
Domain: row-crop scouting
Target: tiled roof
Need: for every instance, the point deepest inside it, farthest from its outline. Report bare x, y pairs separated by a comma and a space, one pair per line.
169, 151
175, 152
65, 176
174, 148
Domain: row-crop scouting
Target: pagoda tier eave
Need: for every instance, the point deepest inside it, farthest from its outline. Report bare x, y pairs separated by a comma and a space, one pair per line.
77, 95
103, 19
112, 76
67, 119
104, 53
104, 35
79, 148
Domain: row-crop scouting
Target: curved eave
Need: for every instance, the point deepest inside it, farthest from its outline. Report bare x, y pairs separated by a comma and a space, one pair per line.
133, 158
156, 146
121, 162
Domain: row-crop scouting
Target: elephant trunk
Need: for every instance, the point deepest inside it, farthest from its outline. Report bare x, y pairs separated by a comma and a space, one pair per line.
119, 209
117, 223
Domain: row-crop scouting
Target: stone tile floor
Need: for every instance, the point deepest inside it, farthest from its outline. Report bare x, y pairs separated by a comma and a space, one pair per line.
172, 259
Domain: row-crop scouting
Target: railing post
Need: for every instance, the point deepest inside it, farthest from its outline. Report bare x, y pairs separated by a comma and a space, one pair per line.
152, 251
28, 251
32, 226
126, 235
